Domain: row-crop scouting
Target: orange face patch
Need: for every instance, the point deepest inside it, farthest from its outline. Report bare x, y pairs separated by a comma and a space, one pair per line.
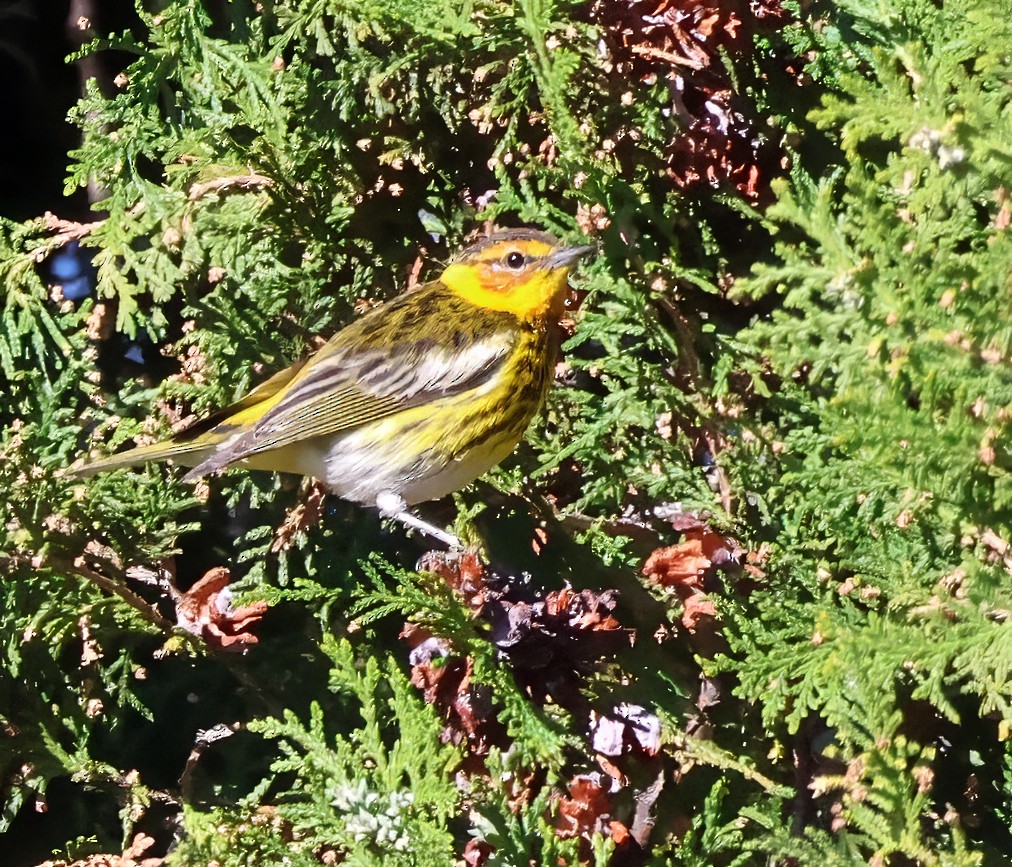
537, 295
510, 276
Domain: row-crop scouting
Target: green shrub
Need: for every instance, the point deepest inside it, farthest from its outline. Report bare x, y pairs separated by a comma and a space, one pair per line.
750, 580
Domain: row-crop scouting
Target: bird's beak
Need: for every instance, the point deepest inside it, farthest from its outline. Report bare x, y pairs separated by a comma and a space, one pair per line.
567, 256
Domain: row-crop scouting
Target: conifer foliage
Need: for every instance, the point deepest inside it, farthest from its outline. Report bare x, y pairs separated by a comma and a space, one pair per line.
744, 594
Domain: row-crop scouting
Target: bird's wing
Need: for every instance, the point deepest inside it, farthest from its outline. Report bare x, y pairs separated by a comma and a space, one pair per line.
350, 383
253, 405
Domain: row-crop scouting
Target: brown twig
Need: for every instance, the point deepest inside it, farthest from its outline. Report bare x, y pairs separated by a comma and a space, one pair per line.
640, 531
644, 818
667, 56
64, 231
689, 362
687, 748
204, 740
117, 587
304, 515
68, 230
251, 179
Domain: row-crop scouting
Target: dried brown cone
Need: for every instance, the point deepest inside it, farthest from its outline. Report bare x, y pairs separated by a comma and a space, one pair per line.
719, 145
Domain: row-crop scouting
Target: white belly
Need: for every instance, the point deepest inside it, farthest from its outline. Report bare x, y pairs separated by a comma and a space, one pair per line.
363, 464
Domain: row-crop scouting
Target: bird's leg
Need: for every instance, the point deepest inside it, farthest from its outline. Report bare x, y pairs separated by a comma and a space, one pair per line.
392, 505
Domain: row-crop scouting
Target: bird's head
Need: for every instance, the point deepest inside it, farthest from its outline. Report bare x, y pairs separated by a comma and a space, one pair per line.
519, 271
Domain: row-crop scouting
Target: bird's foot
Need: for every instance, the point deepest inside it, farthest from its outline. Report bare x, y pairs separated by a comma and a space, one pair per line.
392, 505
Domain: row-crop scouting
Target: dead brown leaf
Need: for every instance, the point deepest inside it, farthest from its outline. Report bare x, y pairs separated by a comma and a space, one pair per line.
684, 567
206, 610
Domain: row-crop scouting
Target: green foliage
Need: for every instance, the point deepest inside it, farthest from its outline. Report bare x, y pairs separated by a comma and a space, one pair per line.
378, 800
889, 476
818, 367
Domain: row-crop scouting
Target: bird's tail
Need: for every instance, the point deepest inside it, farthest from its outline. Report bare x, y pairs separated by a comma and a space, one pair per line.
198, 442
189, 454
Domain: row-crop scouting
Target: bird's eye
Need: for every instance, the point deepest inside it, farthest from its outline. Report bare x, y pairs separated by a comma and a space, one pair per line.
515, 260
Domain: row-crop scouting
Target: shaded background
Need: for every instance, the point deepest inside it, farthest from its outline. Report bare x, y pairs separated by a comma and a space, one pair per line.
39, 87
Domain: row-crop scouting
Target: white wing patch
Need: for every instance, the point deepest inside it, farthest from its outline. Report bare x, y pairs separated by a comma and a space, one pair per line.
439, 370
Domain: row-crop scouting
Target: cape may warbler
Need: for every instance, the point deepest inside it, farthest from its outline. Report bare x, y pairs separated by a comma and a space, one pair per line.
414, 399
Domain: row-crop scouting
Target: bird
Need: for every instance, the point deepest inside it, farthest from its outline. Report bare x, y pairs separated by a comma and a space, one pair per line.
412, 400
